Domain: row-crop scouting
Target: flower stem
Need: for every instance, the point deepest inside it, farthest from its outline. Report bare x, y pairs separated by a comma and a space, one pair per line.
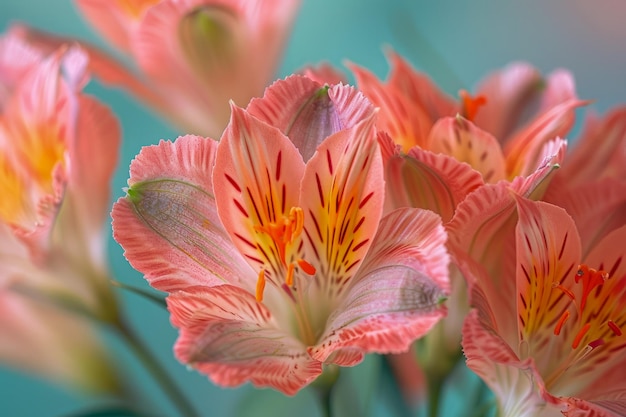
153, 366
435, 385
324, 387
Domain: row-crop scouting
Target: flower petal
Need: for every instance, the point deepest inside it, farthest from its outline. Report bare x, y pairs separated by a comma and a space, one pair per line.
508, 93
548, 253
228, 335
342, 197
406, 121
168, 224
430, 181
523, 151
419, 88
465, 142
383, 312
257, 181
516, 384
600, 151
204, 53
308, 112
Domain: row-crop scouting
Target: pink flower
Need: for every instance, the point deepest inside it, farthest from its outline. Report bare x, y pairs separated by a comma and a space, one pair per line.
58, 149
547, 331
276, 256
447, 148
191, 56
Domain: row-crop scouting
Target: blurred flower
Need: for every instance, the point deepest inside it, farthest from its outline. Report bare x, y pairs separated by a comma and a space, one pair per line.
278, 260
560, 346
58, 149
193, 56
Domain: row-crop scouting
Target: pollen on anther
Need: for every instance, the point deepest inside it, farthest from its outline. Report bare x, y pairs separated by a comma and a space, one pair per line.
289, 277
580, 335
306, 267
615, 328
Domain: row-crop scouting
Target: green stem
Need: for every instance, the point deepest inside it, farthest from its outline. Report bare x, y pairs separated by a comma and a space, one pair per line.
156, 370
325, 396
435, 385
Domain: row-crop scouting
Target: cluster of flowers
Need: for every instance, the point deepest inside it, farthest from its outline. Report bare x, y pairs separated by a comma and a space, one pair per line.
319, 223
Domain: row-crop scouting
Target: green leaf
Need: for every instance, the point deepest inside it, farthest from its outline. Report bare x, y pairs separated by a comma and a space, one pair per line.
108, 412
154, 297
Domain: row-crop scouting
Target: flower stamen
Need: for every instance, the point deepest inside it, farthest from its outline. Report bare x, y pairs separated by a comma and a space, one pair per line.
260, 286
470, 105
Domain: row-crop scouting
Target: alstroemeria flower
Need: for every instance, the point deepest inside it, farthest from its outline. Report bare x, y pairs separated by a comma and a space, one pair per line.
447, 148
548, 331
277, 263
58, 149
190, 56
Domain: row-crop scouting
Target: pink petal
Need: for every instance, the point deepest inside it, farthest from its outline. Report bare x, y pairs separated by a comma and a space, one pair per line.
204, 53
465, 142
342, 197
419, 88
516, 384
431, 181
508, 93
406, 121
308, 112
523, 151
548, 253
257, 180
601, 150
168, 224
560, 88
383, 312
396, 296
324, 73
110, 19
597, 207
226, 334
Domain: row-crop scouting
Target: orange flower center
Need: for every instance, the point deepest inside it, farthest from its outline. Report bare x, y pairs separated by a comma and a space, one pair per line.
592, 281
284, 233
471, 104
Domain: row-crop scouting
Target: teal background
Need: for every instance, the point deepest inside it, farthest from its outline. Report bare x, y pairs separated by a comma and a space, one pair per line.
456, 42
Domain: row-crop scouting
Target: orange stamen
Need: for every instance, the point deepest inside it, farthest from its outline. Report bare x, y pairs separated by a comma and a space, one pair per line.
561, 322
591, 279
260, 286
580, 335
567, 292
471, 104
289, 278
306, 267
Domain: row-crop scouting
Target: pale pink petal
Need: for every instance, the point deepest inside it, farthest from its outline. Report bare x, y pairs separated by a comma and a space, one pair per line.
508, 92
577, 407
308, 112
524, 149
16, 59
548, 254
461, 139
168, 224
516, 384
419, 88
233, 346
257, 182
560, 88
342, 198
383, 312
430, 181
397, 294
406, 121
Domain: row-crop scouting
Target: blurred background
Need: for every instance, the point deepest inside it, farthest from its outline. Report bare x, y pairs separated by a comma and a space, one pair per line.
456, 43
